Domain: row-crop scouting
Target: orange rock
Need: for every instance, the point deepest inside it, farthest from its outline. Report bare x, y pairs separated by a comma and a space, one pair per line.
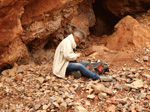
18, 77
101, 88
11, 47
111, 100
129, 34
111, 108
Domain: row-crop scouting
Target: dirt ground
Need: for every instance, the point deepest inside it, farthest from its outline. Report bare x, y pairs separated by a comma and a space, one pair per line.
95, 50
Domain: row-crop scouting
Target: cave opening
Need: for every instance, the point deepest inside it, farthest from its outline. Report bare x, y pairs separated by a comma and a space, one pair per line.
105, 20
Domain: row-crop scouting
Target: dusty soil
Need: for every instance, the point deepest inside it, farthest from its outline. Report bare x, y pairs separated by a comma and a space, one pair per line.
115, 59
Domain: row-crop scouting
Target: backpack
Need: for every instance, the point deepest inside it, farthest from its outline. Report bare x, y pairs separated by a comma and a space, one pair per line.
98, 67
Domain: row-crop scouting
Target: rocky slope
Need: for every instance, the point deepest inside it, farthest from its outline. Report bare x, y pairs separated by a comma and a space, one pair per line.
119, 35
33, 87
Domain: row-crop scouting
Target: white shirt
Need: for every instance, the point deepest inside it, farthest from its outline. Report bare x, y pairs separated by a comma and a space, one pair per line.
63, 54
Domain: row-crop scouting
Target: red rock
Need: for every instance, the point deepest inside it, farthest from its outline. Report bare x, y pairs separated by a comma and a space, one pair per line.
121, 8
111, 108
129, 34
19, 77
111, 100
15, 50
10, 32
35, 9
86, 17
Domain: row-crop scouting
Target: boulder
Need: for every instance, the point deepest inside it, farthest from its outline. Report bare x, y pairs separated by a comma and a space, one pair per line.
129, 34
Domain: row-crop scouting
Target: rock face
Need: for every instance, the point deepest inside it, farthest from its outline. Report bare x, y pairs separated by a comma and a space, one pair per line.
28, 25
30, 22
121, 8
109, 12
129, 34
11, 46
42, 18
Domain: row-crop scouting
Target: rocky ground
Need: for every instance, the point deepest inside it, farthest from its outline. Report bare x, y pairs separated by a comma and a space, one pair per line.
33, 28
33, 87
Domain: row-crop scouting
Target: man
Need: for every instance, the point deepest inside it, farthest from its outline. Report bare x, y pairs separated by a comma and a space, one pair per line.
64, 57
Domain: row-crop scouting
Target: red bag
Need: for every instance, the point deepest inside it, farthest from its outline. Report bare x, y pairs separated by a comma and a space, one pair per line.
98, 67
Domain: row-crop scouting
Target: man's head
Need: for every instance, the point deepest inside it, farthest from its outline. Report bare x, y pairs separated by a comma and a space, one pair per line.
78, 37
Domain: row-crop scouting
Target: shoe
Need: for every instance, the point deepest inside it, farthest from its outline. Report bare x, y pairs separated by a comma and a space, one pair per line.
105, 78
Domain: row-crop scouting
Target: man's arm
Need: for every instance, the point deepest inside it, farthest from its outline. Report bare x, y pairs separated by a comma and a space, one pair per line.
78, 54
69, 53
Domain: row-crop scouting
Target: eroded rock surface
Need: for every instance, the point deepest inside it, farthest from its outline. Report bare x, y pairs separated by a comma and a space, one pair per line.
10, 32
121, 8
129, 34
31, 22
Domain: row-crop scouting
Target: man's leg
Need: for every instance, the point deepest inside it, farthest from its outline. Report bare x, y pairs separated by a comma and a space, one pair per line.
84, 71
84, 63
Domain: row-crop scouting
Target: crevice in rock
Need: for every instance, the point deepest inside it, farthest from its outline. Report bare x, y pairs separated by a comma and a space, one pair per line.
105, 21
49, 44
5, 67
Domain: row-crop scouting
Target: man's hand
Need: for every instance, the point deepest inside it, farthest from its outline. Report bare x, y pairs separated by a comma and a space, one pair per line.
78, 54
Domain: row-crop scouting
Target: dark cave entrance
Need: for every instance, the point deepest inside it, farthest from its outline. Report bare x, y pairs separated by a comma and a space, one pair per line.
105, 21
